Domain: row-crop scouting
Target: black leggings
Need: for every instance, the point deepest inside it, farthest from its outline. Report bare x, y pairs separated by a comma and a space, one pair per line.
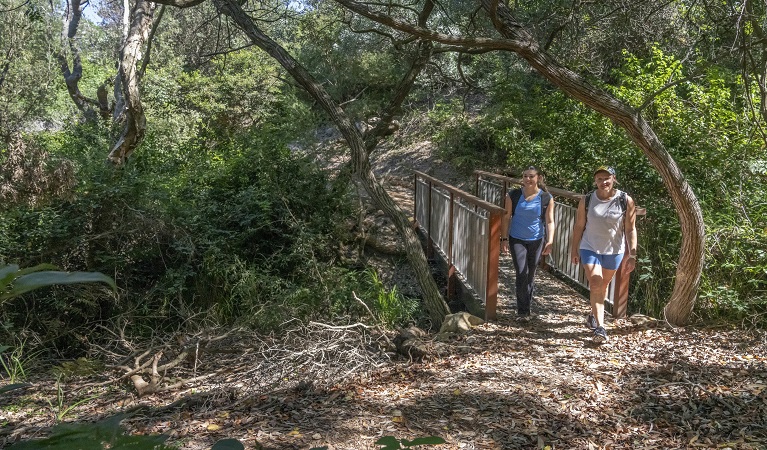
525, 255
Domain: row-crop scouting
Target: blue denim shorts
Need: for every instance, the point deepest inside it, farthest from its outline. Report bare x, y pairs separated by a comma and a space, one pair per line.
609, 262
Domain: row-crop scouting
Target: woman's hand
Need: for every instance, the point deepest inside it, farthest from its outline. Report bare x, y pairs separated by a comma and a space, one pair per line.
547, 248
631, 264
575, 257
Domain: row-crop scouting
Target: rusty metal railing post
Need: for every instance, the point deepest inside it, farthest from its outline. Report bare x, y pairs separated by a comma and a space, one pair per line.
493, 256
621, 290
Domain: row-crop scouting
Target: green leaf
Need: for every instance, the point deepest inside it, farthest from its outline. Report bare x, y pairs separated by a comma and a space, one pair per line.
37, 268
228, 444
37, 280
93, 436
13, 387
7, 274
430, 440
388, 442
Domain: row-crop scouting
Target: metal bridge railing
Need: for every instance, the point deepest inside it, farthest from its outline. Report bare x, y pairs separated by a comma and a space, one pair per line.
493, 188
465, 231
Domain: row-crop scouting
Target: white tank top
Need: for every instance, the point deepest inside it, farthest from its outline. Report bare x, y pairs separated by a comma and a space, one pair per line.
604, 233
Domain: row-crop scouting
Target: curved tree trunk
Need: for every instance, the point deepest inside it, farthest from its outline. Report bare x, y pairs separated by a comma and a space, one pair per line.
435, 304
72, 76
520, 41
135, 120
691, 256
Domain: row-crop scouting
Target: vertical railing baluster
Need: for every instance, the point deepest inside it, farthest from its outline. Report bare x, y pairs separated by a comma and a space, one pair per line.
430, 246
450, 265
415, 201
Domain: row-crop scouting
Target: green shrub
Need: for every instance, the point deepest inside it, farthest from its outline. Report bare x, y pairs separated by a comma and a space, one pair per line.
106, 434
245, 230
705, 129
466, 144
390, 307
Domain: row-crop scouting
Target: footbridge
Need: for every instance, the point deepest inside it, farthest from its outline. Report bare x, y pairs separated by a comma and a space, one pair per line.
462, 232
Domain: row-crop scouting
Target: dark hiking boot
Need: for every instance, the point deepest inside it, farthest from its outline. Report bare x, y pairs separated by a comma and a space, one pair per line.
591, 322
600, 335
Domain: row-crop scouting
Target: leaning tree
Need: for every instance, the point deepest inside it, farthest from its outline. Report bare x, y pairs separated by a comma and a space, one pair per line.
493, 28
511, 35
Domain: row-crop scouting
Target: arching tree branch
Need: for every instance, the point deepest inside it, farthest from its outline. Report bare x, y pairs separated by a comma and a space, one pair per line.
517, 39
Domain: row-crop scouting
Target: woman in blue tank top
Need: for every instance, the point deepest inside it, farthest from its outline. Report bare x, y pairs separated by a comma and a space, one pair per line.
599, 240
529, 220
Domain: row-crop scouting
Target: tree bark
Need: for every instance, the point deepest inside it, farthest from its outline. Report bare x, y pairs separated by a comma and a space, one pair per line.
434, 302
135, 119
73, 74
691, 256
520, 41
423, 55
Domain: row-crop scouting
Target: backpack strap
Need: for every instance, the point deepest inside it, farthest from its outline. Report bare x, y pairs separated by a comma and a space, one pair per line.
586, 201
545, 199
622, 201
515, 195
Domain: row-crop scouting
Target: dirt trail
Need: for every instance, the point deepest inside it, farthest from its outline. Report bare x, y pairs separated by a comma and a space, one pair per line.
505, 385
544, 384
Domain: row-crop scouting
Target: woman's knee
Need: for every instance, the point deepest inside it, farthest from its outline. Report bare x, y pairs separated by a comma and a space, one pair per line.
596, 281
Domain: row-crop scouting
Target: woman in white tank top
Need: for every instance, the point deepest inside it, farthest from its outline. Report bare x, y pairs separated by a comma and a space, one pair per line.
599, 241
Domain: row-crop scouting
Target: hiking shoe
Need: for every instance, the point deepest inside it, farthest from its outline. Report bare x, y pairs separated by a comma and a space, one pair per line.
600, 335
523, 318
591, 322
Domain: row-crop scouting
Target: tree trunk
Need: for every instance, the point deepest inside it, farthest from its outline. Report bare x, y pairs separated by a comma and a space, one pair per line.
135, 120
434, 303
520, 41
72, 75
423, 56
691, 256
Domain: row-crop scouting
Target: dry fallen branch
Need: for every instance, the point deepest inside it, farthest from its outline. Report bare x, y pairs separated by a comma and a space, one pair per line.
317, 354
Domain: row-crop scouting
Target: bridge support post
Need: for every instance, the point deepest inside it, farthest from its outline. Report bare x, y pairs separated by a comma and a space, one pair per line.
493, 257
621, 291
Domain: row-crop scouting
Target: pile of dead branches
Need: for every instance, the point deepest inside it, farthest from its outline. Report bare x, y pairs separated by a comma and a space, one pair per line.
314, 354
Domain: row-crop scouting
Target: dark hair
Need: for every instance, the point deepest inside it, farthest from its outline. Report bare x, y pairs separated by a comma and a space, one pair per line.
541, 177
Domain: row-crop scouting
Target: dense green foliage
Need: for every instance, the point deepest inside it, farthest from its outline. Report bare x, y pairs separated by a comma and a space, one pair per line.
217, 218
706, 129
246, 233
27, 71
214, 220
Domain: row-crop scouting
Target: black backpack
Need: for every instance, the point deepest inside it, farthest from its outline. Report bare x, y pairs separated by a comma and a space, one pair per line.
622, 201
516, 194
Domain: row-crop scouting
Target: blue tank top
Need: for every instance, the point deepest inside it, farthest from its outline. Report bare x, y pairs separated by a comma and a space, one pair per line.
526, 219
